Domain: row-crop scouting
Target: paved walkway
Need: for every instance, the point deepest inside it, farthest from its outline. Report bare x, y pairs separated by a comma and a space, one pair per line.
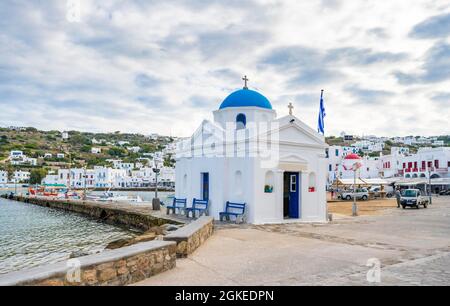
413, 247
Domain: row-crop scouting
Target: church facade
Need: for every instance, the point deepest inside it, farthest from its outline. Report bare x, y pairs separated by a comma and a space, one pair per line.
276, 166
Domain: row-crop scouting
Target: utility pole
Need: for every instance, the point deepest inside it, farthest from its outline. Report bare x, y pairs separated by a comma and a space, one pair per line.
15, 185
429, 178
354, 206
84, 191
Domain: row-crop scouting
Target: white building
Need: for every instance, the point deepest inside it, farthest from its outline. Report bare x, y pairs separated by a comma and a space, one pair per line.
19, 158
3, 177
65, 135
153, 136
20, 176
96, 150
336, 155
77, 177
277, 166
134, 149
433, 162
16, 155
50, 179
390, 165
108, 177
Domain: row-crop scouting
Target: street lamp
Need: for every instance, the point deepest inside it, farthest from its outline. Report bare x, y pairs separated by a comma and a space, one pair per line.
353, 162
429, 177
156, 204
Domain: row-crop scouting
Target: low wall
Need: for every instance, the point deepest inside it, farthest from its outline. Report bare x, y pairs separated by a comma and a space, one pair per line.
105, 212
112, 267
192, 235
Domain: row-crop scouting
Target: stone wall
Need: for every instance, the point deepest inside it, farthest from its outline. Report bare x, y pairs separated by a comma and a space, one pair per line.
105, 212
112, 267
191, 236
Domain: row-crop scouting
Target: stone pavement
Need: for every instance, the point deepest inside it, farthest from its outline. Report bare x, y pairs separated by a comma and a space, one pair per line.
412, 246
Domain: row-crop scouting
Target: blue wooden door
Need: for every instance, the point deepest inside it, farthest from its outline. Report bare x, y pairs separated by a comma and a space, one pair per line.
205, 186
294, 195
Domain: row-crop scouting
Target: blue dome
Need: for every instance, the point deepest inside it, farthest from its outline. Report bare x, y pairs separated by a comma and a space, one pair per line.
246, 97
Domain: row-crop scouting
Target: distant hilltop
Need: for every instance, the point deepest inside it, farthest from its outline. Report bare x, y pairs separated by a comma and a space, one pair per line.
373, 145
36, 148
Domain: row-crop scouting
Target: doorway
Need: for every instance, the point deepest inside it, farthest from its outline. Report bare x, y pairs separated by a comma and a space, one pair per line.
205, 186
291, 207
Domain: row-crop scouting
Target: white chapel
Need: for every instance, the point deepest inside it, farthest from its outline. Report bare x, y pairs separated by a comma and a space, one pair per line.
276, 166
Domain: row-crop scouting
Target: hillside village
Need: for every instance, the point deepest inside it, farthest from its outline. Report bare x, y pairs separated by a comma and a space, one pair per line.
121, 160
28, 155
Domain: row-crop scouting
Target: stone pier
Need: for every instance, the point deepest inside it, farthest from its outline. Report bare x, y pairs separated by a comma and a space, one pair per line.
121, 214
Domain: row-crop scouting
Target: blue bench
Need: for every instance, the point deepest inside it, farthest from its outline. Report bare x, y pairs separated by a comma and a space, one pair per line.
198, 205
179, 204
233, 209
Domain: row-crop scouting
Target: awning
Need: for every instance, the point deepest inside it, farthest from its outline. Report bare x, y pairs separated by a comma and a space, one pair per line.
411, 182
376, 181
441, 181
351, 182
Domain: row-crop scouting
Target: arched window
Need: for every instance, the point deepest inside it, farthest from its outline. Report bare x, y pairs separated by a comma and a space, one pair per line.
241, 121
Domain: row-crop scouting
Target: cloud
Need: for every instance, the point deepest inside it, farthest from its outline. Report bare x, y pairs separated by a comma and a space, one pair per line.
358, 56
378, 32
368, 96
141, 66
433, 27
436, 67
146, 81
308, 66
441, 99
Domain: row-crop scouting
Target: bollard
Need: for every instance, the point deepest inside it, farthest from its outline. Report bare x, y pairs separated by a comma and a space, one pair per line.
156, 204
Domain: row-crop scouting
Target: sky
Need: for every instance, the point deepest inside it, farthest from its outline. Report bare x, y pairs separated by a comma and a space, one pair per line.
149, 66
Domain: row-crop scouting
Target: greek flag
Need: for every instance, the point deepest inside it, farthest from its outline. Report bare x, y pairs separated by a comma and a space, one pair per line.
321, 122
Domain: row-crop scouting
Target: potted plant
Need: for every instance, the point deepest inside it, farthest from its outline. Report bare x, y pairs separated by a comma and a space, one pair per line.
268, 189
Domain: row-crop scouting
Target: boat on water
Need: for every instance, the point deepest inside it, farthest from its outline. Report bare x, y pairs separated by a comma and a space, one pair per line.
52, 190
109, 196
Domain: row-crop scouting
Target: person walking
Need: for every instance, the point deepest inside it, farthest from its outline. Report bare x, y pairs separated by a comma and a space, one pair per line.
398, 196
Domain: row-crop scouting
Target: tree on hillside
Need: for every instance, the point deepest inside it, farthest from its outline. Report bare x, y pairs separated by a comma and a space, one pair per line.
37, 175
117, 152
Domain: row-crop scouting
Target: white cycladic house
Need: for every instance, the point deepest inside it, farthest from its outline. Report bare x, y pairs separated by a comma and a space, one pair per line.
3, 177
276, 166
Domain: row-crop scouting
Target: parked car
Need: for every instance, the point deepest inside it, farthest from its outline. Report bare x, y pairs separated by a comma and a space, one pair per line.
413, 198
444, 192
377, 191
360, 194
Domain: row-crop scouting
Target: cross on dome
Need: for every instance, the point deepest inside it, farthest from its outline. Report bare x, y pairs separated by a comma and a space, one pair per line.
245, 79
291, 107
